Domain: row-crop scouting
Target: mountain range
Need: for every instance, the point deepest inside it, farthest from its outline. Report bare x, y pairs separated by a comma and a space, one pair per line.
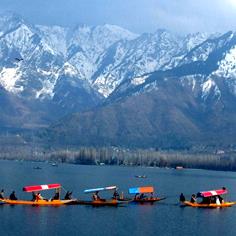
105, 85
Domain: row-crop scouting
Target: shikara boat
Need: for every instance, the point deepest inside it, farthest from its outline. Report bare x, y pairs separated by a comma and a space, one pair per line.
102, 202
210, 199
140, 196
141, 176
211, 205
97, 201
37, 168
41, 202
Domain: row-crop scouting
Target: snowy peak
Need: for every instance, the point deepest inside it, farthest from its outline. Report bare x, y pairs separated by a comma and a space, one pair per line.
128, 59
202, 51
95, 40
108, 59
9, 21
55, 37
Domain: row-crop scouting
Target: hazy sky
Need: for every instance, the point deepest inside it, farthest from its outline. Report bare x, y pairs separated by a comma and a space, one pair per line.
135, 15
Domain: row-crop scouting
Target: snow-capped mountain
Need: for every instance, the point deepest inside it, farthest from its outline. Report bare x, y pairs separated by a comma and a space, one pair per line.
104, 56
48, 52
199, 67
129, 59
191, 104
65, 70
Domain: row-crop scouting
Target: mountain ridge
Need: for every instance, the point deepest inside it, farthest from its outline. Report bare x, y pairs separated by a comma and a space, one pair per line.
178, 86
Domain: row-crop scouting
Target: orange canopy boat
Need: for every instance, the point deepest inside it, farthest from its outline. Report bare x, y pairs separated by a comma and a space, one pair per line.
140, 196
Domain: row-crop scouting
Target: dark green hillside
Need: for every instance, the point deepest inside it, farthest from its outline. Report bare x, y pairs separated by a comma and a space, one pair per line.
168, 117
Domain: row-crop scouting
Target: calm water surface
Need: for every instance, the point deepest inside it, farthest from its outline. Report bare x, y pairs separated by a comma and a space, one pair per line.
163, 218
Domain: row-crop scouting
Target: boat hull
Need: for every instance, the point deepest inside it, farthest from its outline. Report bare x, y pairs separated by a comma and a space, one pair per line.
147, 200
40, 202
101, 202
211, 205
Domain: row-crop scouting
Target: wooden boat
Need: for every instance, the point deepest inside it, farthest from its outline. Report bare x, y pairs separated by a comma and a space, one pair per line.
148, 200
41, 202
101, 202
141, 198
211, 205
2, 202
210, 199
141, 176
179, 167
37, 168
97, 201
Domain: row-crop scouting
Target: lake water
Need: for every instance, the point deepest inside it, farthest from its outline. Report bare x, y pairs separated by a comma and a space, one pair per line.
162, 218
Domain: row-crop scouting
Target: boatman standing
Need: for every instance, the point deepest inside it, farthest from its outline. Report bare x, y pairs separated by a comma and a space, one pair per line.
116, 195
2, 194
182, 197
193, 198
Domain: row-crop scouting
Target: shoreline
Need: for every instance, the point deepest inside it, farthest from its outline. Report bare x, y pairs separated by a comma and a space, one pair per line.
125, 157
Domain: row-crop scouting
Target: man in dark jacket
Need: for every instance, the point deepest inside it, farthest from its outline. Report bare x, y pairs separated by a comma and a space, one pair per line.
13, 196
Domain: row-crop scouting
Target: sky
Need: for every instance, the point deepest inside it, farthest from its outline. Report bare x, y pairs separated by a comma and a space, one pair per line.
183, 16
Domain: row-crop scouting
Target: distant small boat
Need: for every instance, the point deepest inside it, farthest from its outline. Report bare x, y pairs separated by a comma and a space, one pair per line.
54, 164
37, 168
141, 176
179, 167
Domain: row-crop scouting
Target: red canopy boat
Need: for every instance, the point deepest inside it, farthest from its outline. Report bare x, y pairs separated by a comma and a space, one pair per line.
211, 199
41, 202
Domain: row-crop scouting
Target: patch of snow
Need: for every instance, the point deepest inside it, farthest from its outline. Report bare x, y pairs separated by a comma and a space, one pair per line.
47, 90
8, 79
70, 69
227, 66
191, 80
139, 80
44, 72
208, 87
106, 85
150, 87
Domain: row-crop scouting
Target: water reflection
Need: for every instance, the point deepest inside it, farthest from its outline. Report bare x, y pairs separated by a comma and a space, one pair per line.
162, 218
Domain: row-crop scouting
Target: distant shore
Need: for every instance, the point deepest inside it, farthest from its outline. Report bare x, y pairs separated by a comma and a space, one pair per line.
217, 160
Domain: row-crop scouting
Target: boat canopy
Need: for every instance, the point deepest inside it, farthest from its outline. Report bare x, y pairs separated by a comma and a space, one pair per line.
148, 189
41, 187
212, 193
99, 189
